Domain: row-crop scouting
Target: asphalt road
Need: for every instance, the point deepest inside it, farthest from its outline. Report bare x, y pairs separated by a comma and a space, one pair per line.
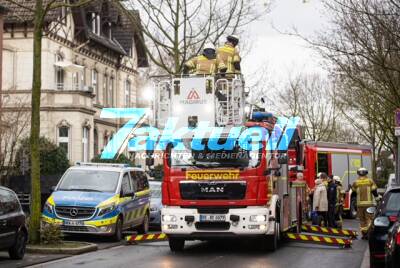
219, 254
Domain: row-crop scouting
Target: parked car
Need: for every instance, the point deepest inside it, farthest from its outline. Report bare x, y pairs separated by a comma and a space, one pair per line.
100, 199
391, 182
385, 216
13, 230
392, 248
155, 204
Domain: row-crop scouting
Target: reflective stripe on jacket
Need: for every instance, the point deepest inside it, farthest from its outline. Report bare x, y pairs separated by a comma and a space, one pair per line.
228, 54
364, 187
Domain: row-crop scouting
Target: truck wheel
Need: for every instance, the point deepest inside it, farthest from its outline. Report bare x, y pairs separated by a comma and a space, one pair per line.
118, 230
176, 244
144, 228
353, 208
271, 241
17, 251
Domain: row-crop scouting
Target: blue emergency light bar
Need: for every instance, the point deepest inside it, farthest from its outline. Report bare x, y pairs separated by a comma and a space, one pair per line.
259, 116
78, 163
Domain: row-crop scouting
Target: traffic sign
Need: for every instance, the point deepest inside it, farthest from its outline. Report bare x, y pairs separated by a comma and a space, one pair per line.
397, 131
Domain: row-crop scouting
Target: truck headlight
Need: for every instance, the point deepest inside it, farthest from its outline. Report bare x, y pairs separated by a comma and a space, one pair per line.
107, 209
169, 218
48, 208
154, 209
258, 218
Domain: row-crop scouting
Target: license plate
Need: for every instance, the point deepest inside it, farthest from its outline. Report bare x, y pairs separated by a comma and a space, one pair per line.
212, 217
73, 223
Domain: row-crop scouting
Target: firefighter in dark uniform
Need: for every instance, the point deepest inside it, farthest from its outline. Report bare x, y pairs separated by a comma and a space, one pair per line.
332, 196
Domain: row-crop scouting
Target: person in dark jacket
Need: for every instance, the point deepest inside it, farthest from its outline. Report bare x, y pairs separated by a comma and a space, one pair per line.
332, 196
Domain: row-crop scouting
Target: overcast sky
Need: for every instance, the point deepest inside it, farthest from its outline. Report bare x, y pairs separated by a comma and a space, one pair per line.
283, 53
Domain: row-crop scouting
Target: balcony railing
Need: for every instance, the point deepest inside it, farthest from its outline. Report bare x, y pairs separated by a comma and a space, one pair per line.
74, 87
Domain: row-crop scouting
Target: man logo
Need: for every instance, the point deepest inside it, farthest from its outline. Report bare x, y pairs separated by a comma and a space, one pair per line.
212, 189
193, 95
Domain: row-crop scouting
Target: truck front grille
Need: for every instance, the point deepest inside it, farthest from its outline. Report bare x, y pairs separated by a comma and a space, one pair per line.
75, 213
77, 229
212, 226
213, 190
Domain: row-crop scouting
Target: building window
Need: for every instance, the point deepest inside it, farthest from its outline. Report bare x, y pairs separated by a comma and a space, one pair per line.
59, 71
95, 25
105, 140
85, 144
75, 81
109, 30
63, 139
105, 90
111, 92
95, 77
127, 93
95, 142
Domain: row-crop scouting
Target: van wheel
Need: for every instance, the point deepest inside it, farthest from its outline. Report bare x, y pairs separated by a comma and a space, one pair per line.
144, 227
353, 208
118, 230
176, 244
17, 251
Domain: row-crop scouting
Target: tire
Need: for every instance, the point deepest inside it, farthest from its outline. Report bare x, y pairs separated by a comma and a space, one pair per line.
144, 227
118, 230
353, 208
176, 244
17, 251
271, 242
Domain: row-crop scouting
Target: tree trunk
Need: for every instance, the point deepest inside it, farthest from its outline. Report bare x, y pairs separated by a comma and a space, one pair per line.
34, 224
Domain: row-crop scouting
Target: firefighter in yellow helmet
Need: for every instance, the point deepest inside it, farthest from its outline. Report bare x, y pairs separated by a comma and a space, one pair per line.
229, 54
206, 63
365, 189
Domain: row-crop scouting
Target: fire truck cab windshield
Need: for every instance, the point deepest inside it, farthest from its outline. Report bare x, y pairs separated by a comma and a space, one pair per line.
210, 158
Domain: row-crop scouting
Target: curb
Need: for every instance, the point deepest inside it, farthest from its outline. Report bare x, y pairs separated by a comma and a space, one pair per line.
365, 261
67, 251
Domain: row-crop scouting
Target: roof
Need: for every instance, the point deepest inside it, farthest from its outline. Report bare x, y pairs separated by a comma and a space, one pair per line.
126, 40
104, 166
338, 145
124, 31
18, 14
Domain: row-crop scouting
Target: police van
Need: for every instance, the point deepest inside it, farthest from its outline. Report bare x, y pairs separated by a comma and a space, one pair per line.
101, 199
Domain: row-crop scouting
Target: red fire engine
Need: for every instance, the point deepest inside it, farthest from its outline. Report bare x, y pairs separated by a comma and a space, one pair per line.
207, 196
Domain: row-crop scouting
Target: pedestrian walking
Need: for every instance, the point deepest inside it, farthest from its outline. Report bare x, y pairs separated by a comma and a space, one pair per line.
332, 197
320, 201
365, 189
